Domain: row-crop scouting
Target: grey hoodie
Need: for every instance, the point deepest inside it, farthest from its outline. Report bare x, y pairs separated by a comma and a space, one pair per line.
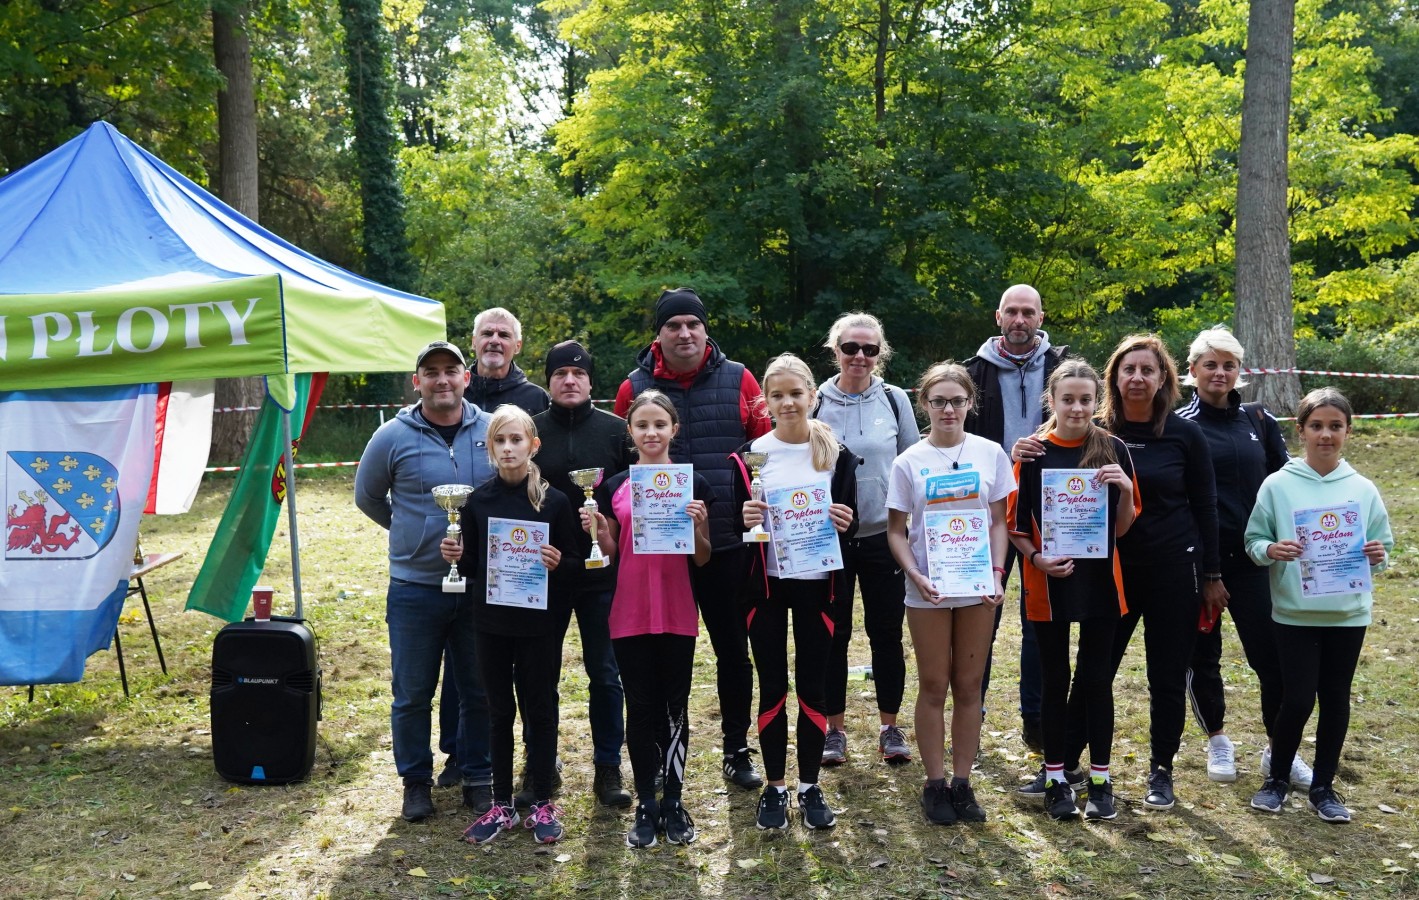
404, 460
867, 426
1020, 389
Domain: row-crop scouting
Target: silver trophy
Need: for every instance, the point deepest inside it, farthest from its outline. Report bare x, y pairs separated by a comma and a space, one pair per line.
587, 480
756, 460
451, 497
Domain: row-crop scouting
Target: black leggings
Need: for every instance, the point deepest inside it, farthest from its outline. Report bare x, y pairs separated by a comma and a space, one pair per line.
1093, 685
716, 584
1317, 664
1167, 598
1250, 610
532, 666
655, 673
869, 561
767, 622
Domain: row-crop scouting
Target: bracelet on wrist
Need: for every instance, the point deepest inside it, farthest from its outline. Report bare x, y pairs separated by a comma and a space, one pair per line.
998, 569
1211, 576
1032, 557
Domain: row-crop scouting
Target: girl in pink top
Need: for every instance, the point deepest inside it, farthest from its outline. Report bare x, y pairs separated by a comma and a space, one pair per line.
653, 628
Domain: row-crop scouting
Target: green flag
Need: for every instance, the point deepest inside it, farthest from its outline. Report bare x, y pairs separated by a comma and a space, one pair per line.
237, 555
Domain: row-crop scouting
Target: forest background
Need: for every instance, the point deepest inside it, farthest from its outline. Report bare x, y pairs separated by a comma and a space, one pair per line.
790, 160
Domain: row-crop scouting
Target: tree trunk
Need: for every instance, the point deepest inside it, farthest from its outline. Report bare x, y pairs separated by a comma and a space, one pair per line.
237, 186
1265, 315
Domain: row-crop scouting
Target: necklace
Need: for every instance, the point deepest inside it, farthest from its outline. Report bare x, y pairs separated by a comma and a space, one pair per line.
955, 463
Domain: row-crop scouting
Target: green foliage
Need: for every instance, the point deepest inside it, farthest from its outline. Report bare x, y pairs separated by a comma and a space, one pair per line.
1394, 352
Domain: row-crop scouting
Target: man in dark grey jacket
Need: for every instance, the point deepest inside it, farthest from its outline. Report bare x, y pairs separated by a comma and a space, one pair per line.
1010, 372
496, 379
441, 439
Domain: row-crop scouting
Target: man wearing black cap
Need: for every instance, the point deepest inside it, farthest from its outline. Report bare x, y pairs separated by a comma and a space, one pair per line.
577, 435
441, 439
720, 406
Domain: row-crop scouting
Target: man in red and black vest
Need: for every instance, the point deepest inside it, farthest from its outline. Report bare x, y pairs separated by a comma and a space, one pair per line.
720, 406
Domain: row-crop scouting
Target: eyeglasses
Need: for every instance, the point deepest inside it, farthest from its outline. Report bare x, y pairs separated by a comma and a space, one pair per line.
955, 402
850, 348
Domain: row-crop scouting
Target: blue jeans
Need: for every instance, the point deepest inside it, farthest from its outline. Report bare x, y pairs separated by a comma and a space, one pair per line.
607, 707
423, 620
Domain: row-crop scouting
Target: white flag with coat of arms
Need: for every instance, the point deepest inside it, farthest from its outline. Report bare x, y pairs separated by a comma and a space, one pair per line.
75, 468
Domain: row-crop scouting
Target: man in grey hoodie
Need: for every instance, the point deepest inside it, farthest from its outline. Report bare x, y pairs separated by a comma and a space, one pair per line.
441, 439
1010, 373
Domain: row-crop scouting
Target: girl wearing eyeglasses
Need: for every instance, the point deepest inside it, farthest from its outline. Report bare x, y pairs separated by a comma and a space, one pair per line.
949, 470
875, 419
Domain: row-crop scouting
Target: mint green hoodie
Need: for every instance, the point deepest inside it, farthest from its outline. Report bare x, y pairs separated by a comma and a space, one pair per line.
1298, 486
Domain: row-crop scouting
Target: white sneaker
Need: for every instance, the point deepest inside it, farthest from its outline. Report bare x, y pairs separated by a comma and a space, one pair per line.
1301, 774
1221, 758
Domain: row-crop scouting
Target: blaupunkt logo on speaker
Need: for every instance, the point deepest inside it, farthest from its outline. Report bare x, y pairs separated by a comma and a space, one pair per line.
59, 504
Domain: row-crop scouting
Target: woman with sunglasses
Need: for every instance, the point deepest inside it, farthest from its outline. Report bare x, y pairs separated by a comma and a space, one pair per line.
875, 419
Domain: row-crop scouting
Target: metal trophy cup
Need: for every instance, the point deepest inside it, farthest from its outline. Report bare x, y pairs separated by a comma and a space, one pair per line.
587, 479
756, 461
451, 498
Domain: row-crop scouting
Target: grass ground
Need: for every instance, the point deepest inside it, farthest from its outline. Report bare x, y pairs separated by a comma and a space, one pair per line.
106, 797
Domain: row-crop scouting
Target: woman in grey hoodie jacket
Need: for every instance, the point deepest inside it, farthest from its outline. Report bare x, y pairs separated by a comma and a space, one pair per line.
875, 420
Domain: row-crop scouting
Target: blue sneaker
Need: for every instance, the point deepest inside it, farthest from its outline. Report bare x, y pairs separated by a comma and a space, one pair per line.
542, 819
499, 818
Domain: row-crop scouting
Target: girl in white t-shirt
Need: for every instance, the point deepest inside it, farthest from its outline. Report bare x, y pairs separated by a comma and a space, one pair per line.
949, 470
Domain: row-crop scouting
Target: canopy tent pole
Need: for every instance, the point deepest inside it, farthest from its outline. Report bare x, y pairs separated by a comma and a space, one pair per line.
291, 512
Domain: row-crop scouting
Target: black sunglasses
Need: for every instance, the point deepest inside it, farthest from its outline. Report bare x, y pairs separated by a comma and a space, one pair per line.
850, 348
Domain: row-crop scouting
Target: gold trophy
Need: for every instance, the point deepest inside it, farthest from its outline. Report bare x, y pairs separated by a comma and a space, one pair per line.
451, 498
587, 480
756, 461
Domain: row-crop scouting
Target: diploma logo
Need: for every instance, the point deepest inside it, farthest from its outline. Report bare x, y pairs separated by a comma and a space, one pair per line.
957, 525
1329, 521
662, 480
799, 500
519, 536
1075, 485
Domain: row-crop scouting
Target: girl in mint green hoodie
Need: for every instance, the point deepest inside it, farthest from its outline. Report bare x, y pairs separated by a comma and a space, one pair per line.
1319, 631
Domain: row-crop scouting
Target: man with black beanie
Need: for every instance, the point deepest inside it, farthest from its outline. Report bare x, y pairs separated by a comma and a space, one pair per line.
720, 406
577, 435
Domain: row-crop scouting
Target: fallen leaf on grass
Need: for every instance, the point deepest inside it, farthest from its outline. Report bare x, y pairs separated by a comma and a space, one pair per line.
396, 853
1386, 808
1088, 854
564, 857
1317, 878
128, 876
1177, 860
418, 872
879, 862
1155, 836
1230, 860
199, 886
74, 777
1147, 870
748, 863
457, 882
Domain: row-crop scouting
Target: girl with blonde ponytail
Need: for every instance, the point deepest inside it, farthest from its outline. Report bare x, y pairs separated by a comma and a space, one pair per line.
518, 648
797, 447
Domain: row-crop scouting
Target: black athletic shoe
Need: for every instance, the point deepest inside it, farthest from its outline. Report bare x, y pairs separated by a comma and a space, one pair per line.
526, 796
642, 833
739, 768
1077, 779
963, 800
451, 774
1327, 804
478, 797
679, 828
1059, 802
1032, 735
815, 809
936, 804
418, 800
1272, 796
1101, 799
773, 809
1160, 789
608, 787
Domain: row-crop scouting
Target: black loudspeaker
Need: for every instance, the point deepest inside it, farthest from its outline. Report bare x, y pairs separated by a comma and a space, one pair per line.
265, 701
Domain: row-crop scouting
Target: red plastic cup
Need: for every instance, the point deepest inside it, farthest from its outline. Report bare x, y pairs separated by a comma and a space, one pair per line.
261, 603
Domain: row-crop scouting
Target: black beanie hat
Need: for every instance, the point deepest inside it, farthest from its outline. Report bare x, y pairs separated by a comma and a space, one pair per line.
570, 353
679, 302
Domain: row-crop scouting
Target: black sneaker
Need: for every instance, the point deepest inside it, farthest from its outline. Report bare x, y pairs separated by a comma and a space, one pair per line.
963, 800
1077, 779
418, 800
478, 797
1059, 802
936, 804
1327, 804
1032, 735
1272, 796
1160, 789
608, 787
815, 809
739, 768
1101, 799
451, 774
773, 809
642, 833
526, 796
679, 828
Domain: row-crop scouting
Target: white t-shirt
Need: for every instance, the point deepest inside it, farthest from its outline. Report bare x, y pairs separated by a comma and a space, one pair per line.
923, 478
788, 465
